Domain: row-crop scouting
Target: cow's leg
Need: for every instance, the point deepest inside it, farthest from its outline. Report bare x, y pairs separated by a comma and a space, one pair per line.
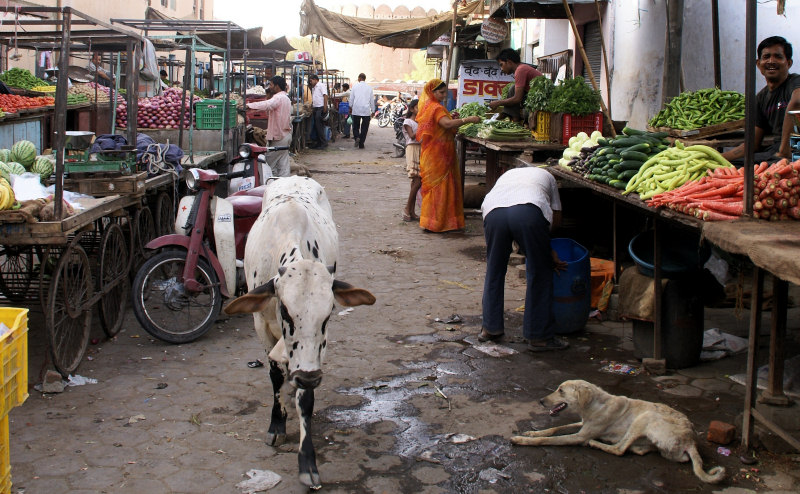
276, 435
306, 457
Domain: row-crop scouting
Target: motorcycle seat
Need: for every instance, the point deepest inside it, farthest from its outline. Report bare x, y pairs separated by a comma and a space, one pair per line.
256, 191
244, 206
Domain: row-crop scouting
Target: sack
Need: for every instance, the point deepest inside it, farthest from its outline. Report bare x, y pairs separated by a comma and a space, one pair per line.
149, 69
349, 120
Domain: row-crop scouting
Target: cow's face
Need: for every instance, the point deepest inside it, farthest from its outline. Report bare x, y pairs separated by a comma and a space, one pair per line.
305, 302
305, 291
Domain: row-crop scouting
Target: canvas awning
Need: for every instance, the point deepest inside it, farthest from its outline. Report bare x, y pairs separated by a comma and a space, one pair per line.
531, 9
395, 33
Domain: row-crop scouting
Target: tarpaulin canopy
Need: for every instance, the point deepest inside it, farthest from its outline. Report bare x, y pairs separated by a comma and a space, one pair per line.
531, 9
395, 33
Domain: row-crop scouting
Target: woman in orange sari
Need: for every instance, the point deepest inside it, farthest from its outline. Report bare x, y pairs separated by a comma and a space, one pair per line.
442, 201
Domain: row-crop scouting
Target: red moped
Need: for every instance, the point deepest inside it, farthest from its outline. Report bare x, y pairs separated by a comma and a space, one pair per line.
177, 293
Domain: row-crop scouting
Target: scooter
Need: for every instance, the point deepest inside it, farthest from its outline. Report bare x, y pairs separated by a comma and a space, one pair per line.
399, 143
177, 293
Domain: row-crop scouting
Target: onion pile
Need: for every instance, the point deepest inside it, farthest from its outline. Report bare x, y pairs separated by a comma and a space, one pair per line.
159, 112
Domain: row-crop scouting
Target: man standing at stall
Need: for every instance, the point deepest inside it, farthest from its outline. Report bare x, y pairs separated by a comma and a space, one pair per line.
781, 93
319, 108
279, 124
362, 105
523, 74
523, 206
95, 68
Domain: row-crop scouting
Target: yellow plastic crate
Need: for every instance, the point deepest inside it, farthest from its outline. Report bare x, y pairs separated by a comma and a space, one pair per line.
5, 458
14, 355
542, 130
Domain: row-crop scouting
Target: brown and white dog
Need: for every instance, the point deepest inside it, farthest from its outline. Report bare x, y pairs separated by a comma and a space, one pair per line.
615, 424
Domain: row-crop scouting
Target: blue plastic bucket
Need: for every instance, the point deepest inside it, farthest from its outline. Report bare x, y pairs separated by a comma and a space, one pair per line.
572, 293
680, 255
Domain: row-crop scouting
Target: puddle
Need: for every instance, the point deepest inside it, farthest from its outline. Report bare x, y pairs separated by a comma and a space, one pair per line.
475, 252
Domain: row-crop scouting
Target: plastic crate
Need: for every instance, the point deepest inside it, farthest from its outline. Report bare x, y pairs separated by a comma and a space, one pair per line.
5, 457
572, 125
208, 114
541, 131
14, 354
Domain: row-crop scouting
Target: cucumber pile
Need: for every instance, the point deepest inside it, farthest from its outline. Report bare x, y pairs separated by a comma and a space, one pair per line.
618, 159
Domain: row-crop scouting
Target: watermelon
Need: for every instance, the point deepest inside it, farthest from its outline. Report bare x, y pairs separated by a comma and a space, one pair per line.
23, 152
5, 155
43, 166
5, 171
15, 168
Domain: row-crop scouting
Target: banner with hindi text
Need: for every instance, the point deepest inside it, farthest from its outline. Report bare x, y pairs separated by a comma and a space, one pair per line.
480, 81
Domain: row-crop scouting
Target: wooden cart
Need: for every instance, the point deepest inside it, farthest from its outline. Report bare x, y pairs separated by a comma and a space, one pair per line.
83, 262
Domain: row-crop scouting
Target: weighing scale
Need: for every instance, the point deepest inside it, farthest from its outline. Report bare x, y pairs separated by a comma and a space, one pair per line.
794, 139
78, 159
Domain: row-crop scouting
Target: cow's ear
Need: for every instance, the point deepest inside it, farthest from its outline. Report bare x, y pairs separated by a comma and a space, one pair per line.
253, 301
349, 296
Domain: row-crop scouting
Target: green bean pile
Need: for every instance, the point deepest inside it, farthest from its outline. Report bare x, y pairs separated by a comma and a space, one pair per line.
692, 110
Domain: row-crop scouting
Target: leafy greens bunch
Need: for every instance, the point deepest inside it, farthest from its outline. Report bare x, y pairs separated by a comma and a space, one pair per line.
574, 96
539, 93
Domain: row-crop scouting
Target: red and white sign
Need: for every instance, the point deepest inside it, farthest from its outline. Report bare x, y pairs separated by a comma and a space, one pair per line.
480, 81
302, 56
494, 30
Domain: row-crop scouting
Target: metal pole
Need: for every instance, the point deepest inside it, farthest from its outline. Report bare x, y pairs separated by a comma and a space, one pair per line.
446, 69
715, 38
132, 88
61, 112
749, 104
672, 59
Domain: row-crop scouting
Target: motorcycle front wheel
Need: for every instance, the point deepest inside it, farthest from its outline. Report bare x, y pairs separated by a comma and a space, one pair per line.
385, 118
163, 305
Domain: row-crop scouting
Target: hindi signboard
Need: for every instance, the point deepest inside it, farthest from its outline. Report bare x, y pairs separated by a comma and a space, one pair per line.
480, 81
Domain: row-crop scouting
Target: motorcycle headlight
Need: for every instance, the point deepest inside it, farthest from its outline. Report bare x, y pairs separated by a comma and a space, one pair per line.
191, 178
244, 151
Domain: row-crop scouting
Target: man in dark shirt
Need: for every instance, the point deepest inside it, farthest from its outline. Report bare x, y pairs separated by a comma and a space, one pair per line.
523, 74
781, 93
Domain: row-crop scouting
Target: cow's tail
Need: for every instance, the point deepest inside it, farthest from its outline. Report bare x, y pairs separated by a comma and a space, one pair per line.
712, 476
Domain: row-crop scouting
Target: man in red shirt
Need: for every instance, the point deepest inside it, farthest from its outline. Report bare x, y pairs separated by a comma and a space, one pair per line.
523, 74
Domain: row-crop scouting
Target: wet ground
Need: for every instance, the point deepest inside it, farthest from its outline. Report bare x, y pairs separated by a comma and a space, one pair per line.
408, 403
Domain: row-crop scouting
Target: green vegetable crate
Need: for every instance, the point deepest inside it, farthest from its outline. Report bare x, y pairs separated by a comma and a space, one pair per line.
208, 114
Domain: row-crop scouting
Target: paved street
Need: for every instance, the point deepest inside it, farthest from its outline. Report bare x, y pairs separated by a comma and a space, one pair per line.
408, 404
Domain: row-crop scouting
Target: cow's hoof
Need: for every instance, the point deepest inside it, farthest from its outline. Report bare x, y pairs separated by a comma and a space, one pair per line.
311, 480
274, 439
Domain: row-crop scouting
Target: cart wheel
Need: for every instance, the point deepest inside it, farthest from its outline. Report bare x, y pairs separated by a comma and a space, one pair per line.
144, 232
165, 215
112, 280
16, 271
68, 318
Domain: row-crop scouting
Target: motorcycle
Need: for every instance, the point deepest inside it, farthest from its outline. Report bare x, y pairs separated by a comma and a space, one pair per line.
390, 111
177, 293
400, 139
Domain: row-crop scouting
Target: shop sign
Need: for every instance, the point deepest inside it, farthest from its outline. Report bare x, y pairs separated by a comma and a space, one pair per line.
480, 81
302, 56
494, 30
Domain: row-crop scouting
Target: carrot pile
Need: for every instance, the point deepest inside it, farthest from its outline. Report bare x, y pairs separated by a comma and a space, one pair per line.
718, 196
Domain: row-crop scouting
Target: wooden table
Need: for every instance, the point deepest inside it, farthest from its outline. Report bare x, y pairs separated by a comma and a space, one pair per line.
773, 247
496, 151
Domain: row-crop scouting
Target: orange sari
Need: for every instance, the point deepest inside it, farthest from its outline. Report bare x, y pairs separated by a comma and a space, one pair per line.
442, 200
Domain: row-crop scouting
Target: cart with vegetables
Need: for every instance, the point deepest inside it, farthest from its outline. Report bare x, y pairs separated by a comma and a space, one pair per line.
70, 259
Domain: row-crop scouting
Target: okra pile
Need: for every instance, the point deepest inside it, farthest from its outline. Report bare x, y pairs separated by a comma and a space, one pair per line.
696, 109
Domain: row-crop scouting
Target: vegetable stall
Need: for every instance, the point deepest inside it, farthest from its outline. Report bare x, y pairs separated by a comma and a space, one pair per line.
63, 252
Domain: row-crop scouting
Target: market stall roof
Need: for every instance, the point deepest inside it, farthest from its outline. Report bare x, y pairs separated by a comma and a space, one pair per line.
279, 44
395, 33
531, 9
31, 29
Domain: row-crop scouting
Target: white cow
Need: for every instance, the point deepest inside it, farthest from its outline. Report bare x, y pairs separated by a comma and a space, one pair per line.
289, 262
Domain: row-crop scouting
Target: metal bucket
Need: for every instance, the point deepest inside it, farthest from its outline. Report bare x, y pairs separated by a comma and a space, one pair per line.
77, 139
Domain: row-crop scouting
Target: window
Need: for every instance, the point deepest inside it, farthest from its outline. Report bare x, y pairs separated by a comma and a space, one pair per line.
164, 3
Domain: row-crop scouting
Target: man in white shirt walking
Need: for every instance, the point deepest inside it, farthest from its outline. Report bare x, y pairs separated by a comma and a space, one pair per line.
279, 125
523, 206
319, 105
362, 106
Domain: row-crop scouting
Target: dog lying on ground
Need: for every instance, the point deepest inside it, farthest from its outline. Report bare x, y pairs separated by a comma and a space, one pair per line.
615, 424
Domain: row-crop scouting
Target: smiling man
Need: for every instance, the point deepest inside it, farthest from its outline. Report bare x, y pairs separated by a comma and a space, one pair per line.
781, 93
